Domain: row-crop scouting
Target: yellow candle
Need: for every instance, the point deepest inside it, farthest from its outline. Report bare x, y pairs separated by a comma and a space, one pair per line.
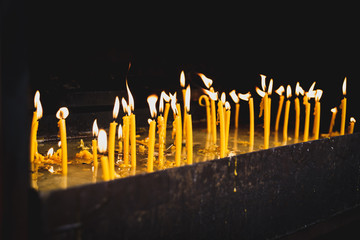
161, 132
307, 97
279, 91
34, 128
227, 123
266, 122
343, 109
286, 116
95, 131
111, 142
252, 124
269, 92
332, 122
222, 129
133, 140
177, 129
208, 114
151, 143
166, 112
182, 84
61, 115
317, 114
102, 140
351, 126
235, 98
189, 133
213, 97
298, 90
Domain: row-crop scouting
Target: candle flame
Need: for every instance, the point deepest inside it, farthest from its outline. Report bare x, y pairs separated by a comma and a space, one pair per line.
223, 98
288, 91
62, 113
227, 105
36, 98
352, 120
163, 96
260, 92
51, 169
39, 110
173, 103
59, 143
102, 141
280, 90
234, 96
299, 89
207, 81
212, 95
152, 104
344, 87
95, 129
187, 98
50, 152
311, 93
270, 87
119, 131
130, 97
318, 94
334, 110
116, 107
263, 82
311, 89
245, 97
182, 79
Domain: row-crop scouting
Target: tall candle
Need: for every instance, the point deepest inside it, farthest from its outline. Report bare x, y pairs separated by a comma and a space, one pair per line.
132, 123
151, 143
269, 92
235, 98
208, 113
351, 126
166, 112
213, 97
308, 95
333, 117
120, 138
279, 91
227, 123
62, 114
177, 129
298, 90
222, 128
343, 109
126, 131
317, 113
95, 131
286, 116
183, 90
161, 131
37, 114
189, 133
102, 140
111, 141
252, 124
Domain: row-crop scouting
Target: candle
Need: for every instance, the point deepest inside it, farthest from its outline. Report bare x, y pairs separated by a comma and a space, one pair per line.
222, 125
151, 143
62, 114
332, 122
102, 142
211, 117
235, 98
343, 109
189, 134
131, 105
165, 97
111, 142
307, 97
286, 116
161, 132
177, 130
317, 113
227, 123
279, 91
269, 92
265, 107
37, 114
247, 97
208, 113
182, 84
126, 131
298, 90
213, 97
351, 126
95, 131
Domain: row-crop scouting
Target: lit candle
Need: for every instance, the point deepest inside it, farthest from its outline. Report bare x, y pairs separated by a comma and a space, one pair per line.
62, 114
308, 95
37, 114
177, 130
126, 131
343, 109
111, 141
269, 92
222, 125
182, 84
132, 128
227, 124
102, 142
298, 90
333, 117
165, 97
265, 108
208, 114
161, 131
351, 126
213, 97
95, 131
151, 143
317, 113
279, 91
286, 116
120, 138
235, 98
189, 133
247, 97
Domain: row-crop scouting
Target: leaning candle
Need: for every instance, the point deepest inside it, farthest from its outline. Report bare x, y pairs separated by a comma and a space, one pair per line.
102, 142
111, 145
62, 114
189, 133
351, 126
279, 91
222, 125
95, 131
286, 116
151, 143
317, 113
298, 90
343, 109
235, 98
333, 117
34, 127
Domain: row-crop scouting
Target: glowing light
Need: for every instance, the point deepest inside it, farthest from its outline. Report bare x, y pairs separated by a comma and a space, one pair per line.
223, 97
95, 129
288, 91
62, 113
260, 92
182, 79
299, 90
245, 97
102, 141
263, 82
280, 90
207, 81
130, 97
119, 131
227, 105
116, 107
163, 97
344, 86
50, 152
352, 120
152, 104
173, 103
334, 110
187, 98
270, 87
234, 96
212, 95
318, 94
